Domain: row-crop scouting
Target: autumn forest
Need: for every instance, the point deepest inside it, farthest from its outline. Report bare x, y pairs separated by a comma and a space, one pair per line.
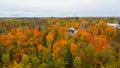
46, 43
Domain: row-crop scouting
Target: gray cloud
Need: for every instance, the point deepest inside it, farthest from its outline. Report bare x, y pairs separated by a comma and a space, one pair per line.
48, 8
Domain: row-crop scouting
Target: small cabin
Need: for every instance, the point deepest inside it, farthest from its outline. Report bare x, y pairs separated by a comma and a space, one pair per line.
71, 31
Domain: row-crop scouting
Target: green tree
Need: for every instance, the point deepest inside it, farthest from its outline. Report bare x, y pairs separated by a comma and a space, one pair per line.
77, 62
25, 59
6, 59
35, 62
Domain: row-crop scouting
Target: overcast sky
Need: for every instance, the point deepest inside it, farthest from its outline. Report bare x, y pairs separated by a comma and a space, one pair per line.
58, 8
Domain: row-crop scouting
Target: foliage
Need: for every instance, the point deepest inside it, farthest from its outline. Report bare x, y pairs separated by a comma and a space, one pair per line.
77, 62
44, 43
6, 59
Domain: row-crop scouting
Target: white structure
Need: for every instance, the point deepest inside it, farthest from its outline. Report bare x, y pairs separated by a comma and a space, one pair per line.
71, 31
114, 25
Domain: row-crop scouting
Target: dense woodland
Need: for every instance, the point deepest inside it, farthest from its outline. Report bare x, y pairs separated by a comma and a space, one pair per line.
44, 43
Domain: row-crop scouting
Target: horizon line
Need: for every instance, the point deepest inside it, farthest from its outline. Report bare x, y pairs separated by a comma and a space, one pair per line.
59, 16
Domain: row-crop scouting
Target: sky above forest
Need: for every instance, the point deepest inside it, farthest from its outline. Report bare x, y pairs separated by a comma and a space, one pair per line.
59, 8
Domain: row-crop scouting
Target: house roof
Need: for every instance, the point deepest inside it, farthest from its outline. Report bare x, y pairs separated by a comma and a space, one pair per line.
71, 28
